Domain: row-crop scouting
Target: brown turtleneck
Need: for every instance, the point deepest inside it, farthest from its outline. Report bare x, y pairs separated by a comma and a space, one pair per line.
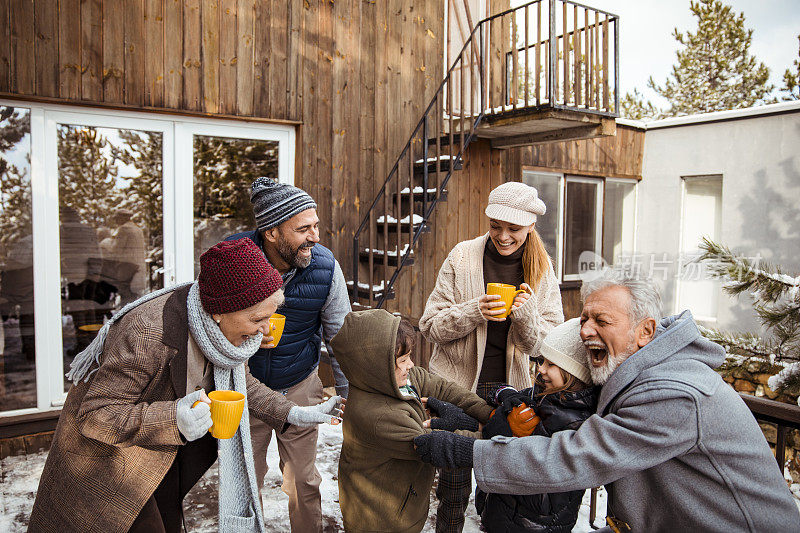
499, 269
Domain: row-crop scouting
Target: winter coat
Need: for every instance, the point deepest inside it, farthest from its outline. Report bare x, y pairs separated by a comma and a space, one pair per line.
297, 355
676, 447
383, 485
452, 320
117, 435
556, 512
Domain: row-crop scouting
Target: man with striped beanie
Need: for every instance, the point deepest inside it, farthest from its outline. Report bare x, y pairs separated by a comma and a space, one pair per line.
316, 304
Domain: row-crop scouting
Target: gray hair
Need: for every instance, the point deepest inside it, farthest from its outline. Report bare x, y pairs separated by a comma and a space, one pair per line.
645, 297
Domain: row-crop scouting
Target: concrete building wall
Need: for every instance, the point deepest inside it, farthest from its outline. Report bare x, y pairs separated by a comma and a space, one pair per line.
757, 153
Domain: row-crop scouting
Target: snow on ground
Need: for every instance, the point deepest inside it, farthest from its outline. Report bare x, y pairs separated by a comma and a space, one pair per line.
20, 477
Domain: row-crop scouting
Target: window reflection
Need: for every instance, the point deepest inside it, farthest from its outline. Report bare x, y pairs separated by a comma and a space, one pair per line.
224, 169
17, 348
110, 229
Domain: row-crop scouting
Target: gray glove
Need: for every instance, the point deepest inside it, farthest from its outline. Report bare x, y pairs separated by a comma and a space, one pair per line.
193, 423
316, 414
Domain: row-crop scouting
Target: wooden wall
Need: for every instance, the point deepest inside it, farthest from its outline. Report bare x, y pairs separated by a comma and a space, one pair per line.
619, 156
356, 74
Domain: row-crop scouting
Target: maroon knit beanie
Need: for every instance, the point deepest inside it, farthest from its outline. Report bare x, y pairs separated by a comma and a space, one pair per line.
235, 275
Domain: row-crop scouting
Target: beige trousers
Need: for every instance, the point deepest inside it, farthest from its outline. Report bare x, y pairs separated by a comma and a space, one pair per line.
297, 448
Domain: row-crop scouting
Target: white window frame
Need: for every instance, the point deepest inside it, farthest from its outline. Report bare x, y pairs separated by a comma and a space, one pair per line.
598, 232
677, 305
635, 183
177, 132
558, 260
184, 170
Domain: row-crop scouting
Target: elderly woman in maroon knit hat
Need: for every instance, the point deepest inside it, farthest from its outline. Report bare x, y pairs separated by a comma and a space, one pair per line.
130, 443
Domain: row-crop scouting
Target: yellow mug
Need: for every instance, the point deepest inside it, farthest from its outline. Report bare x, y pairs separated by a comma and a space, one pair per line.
507, 294
227, 407
276, 323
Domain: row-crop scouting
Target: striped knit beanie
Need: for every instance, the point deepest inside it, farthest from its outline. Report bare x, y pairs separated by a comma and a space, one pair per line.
274, 203
235, 275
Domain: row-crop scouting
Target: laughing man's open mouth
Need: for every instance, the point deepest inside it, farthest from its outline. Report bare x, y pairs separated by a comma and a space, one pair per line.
598, 353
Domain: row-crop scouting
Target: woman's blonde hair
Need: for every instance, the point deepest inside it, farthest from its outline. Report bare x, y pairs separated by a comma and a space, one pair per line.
535, 260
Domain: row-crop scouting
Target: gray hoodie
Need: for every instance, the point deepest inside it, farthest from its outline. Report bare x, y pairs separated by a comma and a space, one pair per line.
676, 447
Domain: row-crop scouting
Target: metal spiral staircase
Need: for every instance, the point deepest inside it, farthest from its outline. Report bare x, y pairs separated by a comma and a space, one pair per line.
536, 73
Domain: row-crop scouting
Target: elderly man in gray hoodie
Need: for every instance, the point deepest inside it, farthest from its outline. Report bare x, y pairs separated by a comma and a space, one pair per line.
677, 448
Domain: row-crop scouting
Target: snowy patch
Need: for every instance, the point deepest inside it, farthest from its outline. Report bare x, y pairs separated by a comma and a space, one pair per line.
20, 478
381, 219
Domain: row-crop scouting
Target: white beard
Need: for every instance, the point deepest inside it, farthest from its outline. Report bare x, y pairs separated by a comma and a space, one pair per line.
602, 374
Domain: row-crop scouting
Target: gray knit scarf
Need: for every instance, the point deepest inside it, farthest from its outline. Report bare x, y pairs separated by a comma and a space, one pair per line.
239, 500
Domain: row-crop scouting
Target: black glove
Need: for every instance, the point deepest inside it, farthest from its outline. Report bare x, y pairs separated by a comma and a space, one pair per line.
445, 449
510, 398
497, 425
451, 417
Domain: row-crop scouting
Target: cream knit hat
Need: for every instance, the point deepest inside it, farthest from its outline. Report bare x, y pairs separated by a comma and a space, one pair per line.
564, 348
516, 203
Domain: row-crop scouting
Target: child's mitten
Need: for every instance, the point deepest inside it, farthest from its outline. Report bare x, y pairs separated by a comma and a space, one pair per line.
522, 420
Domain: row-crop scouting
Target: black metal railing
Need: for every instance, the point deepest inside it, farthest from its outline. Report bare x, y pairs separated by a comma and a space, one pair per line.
510, 61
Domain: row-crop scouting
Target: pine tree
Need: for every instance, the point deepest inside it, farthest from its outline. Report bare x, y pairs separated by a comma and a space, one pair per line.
791, 80
715, 70
635, 107
143, 194
15, 183
87, 173
777, 304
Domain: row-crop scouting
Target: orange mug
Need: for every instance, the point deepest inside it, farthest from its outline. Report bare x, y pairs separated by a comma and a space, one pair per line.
507, 294
227, 407
276, 324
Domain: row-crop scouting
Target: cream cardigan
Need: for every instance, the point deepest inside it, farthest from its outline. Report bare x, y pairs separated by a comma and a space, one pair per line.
453, 321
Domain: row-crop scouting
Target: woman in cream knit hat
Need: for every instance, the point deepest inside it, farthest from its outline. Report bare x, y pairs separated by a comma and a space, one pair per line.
472, 346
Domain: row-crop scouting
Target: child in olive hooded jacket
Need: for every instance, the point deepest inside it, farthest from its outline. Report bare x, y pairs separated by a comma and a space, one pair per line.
383, 485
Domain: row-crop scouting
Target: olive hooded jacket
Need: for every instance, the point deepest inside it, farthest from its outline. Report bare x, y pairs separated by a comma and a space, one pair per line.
383, 485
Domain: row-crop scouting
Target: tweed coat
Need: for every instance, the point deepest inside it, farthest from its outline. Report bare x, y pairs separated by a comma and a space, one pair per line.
117, 435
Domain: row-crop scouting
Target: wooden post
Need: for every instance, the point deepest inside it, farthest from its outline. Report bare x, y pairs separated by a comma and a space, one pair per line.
527, 55
538, 52
576, 38
553, 53
605, 63
514, 59
566, 53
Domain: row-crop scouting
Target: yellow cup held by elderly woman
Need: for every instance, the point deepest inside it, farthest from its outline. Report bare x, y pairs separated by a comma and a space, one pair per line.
507, 294
276, 323
227, 407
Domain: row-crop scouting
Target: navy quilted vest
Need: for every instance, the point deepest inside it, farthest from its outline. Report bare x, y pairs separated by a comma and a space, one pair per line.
297, 355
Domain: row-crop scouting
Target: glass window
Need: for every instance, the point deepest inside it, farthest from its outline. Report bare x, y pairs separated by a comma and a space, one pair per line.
619, 219
110, 225
548, 225
17, 348
224, 169
702, 216
581, 221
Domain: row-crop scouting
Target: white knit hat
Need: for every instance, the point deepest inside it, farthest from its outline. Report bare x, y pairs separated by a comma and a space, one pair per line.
516, 203
564, 348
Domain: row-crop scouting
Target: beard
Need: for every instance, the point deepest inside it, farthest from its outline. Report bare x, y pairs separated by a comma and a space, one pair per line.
292, 255
600, 375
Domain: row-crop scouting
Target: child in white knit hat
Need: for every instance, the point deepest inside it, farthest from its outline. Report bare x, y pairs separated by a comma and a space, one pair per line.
562, 398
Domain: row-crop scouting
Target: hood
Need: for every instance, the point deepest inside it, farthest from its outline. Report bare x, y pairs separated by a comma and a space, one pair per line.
364, 348
678, 350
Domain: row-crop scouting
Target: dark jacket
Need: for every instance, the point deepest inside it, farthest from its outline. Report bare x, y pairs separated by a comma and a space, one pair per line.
117, 435
555, 512
297, 355
383, 485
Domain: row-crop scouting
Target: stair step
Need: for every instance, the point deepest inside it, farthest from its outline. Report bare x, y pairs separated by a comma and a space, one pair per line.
444, 140
391, 222
377, 258
363, 291
418, 194
444, 165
